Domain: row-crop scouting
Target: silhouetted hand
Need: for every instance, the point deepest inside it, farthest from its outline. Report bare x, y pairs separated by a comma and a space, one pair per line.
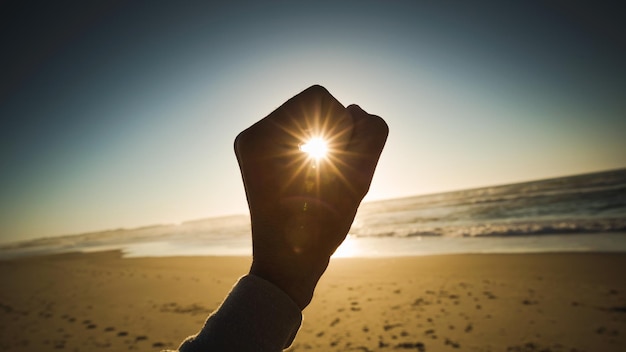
302, 207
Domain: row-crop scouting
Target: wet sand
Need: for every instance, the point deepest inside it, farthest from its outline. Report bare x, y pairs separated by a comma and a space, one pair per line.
525, 302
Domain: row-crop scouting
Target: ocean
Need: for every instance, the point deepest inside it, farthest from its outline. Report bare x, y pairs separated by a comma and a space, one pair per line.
577, 213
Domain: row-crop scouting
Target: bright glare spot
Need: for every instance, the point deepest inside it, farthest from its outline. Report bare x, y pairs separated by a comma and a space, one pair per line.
316, 147
347, 249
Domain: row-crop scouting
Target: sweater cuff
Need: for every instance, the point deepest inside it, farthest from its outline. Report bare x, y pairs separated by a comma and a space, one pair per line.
255, 316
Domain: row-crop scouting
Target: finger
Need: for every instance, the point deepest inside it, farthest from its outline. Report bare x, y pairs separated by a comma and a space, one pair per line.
369, 134
313, 113
368, 138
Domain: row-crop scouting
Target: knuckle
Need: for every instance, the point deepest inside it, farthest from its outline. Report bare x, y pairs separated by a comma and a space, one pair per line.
379, 125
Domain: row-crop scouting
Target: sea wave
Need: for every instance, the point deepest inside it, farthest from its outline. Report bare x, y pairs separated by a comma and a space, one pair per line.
502, 229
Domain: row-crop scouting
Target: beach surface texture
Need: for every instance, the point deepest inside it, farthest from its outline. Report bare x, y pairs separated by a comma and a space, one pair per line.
469, 302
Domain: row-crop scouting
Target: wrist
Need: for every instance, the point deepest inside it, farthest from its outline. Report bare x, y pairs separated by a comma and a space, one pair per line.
298, 285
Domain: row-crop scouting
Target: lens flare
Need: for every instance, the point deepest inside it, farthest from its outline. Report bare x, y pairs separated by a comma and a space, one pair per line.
316, 148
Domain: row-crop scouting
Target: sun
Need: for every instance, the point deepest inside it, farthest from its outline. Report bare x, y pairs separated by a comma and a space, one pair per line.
316, 148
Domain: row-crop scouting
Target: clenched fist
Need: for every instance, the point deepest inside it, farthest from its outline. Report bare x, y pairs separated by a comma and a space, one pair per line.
306, 167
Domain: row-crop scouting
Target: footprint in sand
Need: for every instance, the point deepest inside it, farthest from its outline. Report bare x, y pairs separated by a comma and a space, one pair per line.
604, 331
411, 345
388, 327
431, 333
454, 344
59, 345
529, 302
489, 295
532, 347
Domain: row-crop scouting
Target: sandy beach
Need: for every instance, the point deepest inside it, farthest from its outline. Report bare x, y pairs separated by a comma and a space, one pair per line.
514, 302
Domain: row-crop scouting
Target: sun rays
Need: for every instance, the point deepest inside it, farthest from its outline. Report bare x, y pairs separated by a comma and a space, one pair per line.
316, 152
316, 148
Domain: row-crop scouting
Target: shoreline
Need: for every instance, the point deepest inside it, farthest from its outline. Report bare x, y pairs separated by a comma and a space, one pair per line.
119, 254
476, 302
354, 247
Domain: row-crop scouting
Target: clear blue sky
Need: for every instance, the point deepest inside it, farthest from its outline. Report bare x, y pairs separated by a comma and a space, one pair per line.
123, 114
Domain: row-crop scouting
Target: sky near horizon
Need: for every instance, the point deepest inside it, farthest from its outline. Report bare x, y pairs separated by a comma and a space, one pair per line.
123, 113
